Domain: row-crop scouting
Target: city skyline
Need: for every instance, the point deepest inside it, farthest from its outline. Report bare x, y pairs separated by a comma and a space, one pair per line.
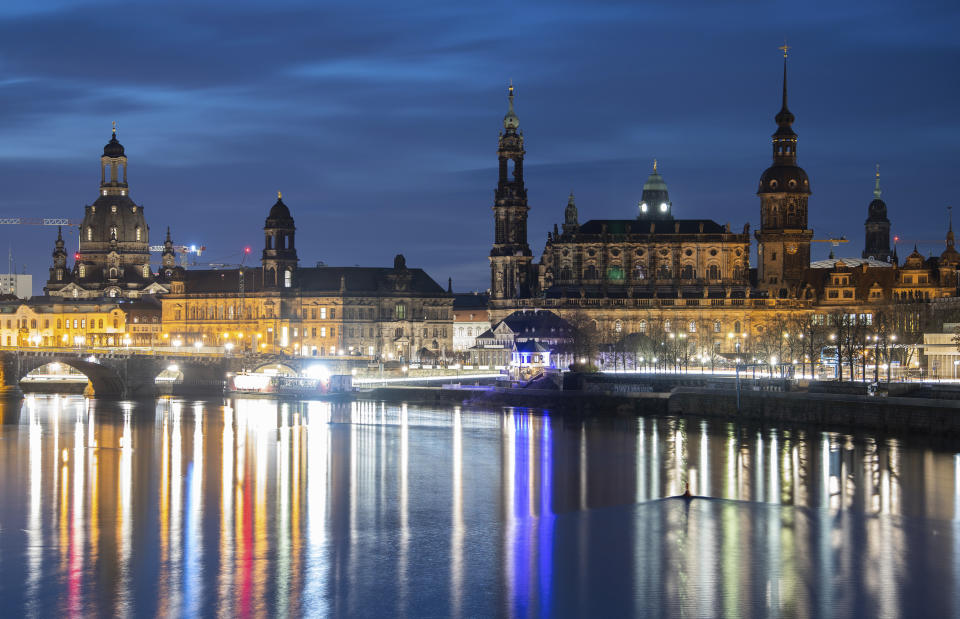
388, 146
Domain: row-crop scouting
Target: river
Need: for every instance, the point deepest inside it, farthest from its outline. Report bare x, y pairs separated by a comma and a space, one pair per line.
253, 507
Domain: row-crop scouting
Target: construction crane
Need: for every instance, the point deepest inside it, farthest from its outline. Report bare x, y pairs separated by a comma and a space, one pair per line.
233, 265
182, 251
835, 241
40, 221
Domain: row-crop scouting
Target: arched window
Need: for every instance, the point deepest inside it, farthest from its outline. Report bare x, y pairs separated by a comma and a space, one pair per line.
717, 327
736, 327
113, 272
590, 272
146, 270
82, 270
113, 232
89, 233
138, 233
640, 272
714, 272
687, 272
565, 274
287, 278
666, 326
692, 327
643, 326
618, 326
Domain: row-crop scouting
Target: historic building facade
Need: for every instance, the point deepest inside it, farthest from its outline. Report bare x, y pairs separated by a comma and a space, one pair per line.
114, 254
667, 278
55, 322
383, 313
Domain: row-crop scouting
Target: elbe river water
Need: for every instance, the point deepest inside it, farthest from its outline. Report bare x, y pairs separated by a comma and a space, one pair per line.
255, 507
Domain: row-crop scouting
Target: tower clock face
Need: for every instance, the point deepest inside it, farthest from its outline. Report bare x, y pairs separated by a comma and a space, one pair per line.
791, 248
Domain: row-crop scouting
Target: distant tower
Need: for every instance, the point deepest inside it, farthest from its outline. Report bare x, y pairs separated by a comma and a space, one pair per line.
655, 204
58, 272
783, 238
877, 227
510, 257
279, 251
570, 222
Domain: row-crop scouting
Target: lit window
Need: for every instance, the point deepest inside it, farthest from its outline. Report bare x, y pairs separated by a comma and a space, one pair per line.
138, 233
287, 278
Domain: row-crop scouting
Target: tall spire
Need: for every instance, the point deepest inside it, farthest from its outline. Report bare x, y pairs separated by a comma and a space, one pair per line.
876, 186
510, 121
784, 118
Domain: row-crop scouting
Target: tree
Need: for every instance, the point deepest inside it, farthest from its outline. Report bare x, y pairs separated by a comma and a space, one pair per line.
586, 339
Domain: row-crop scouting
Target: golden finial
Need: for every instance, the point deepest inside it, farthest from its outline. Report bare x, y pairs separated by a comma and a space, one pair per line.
785, 48
654, 166
279, 195
510, 88
114, 127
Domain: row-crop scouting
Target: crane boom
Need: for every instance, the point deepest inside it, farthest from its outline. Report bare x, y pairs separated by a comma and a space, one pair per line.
40, 221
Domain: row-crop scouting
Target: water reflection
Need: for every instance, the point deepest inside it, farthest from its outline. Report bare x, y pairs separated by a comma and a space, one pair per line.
257, 507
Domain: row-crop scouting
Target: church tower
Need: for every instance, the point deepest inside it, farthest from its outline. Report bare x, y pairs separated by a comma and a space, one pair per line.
783, 238
510, 257
877, 227
59, 275
655, 204
279, 251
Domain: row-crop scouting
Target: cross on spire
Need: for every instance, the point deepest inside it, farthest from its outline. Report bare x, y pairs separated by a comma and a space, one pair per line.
785, 48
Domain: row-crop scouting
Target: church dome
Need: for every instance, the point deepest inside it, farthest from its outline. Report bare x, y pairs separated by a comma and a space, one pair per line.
784, 179
279, 214
113, 148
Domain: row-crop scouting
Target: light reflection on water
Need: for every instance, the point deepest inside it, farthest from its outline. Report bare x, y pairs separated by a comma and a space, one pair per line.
371, 509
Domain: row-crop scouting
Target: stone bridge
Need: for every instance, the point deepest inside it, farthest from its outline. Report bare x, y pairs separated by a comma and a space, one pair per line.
116, 374
133, 374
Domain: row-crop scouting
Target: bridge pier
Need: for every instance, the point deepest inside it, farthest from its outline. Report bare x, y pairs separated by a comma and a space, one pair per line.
10, 379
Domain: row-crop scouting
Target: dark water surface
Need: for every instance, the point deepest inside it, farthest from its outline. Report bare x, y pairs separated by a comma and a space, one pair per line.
253, 507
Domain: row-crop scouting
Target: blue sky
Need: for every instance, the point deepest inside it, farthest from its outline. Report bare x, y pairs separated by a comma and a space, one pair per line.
379, 120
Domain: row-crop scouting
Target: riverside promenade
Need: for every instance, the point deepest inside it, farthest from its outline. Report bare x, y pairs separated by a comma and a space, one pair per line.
913, 407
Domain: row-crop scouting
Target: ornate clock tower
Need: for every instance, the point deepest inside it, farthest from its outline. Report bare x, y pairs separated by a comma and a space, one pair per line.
783, 238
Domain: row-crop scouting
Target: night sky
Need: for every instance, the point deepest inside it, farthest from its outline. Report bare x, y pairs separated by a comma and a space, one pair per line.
379, 120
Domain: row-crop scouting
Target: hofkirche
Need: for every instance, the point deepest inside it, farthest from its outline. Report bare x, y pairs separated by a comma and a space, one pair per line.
694, 275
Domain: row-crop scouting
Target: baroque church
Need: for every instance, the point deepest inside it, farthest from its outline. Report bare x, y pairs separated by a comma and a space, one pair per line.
114, 255
655, 266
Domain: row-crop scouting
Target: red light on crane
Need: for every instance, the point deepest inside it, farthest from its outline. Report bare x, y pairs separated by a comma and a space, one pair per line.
246, 249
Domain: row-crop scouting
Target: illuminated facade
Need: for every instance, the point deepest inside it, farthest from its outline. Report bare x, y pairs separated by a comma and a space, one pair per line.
657, 276
53, 322
387, 313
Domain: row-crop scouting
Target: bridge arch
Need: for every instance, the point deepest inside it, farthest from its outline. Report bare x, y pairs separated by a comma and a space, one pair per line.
280, 367
104, 380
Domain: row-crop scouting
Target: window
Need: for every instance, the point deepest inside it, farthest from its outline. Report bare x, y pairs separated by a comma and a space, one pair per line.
313, 313
618, 326
333, 331
688, 272
717, 327
692, 327
89, 233
666, 326
115, 323
33, 324
401, 311
323, 313
146, 270
640, 272
590, 272
323, 332
736, 327
101, 323
287, 278
113, 232
313, 332
138, 233
83, 323
714, 272
82, 270
58, 323
333, 313
643, 326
